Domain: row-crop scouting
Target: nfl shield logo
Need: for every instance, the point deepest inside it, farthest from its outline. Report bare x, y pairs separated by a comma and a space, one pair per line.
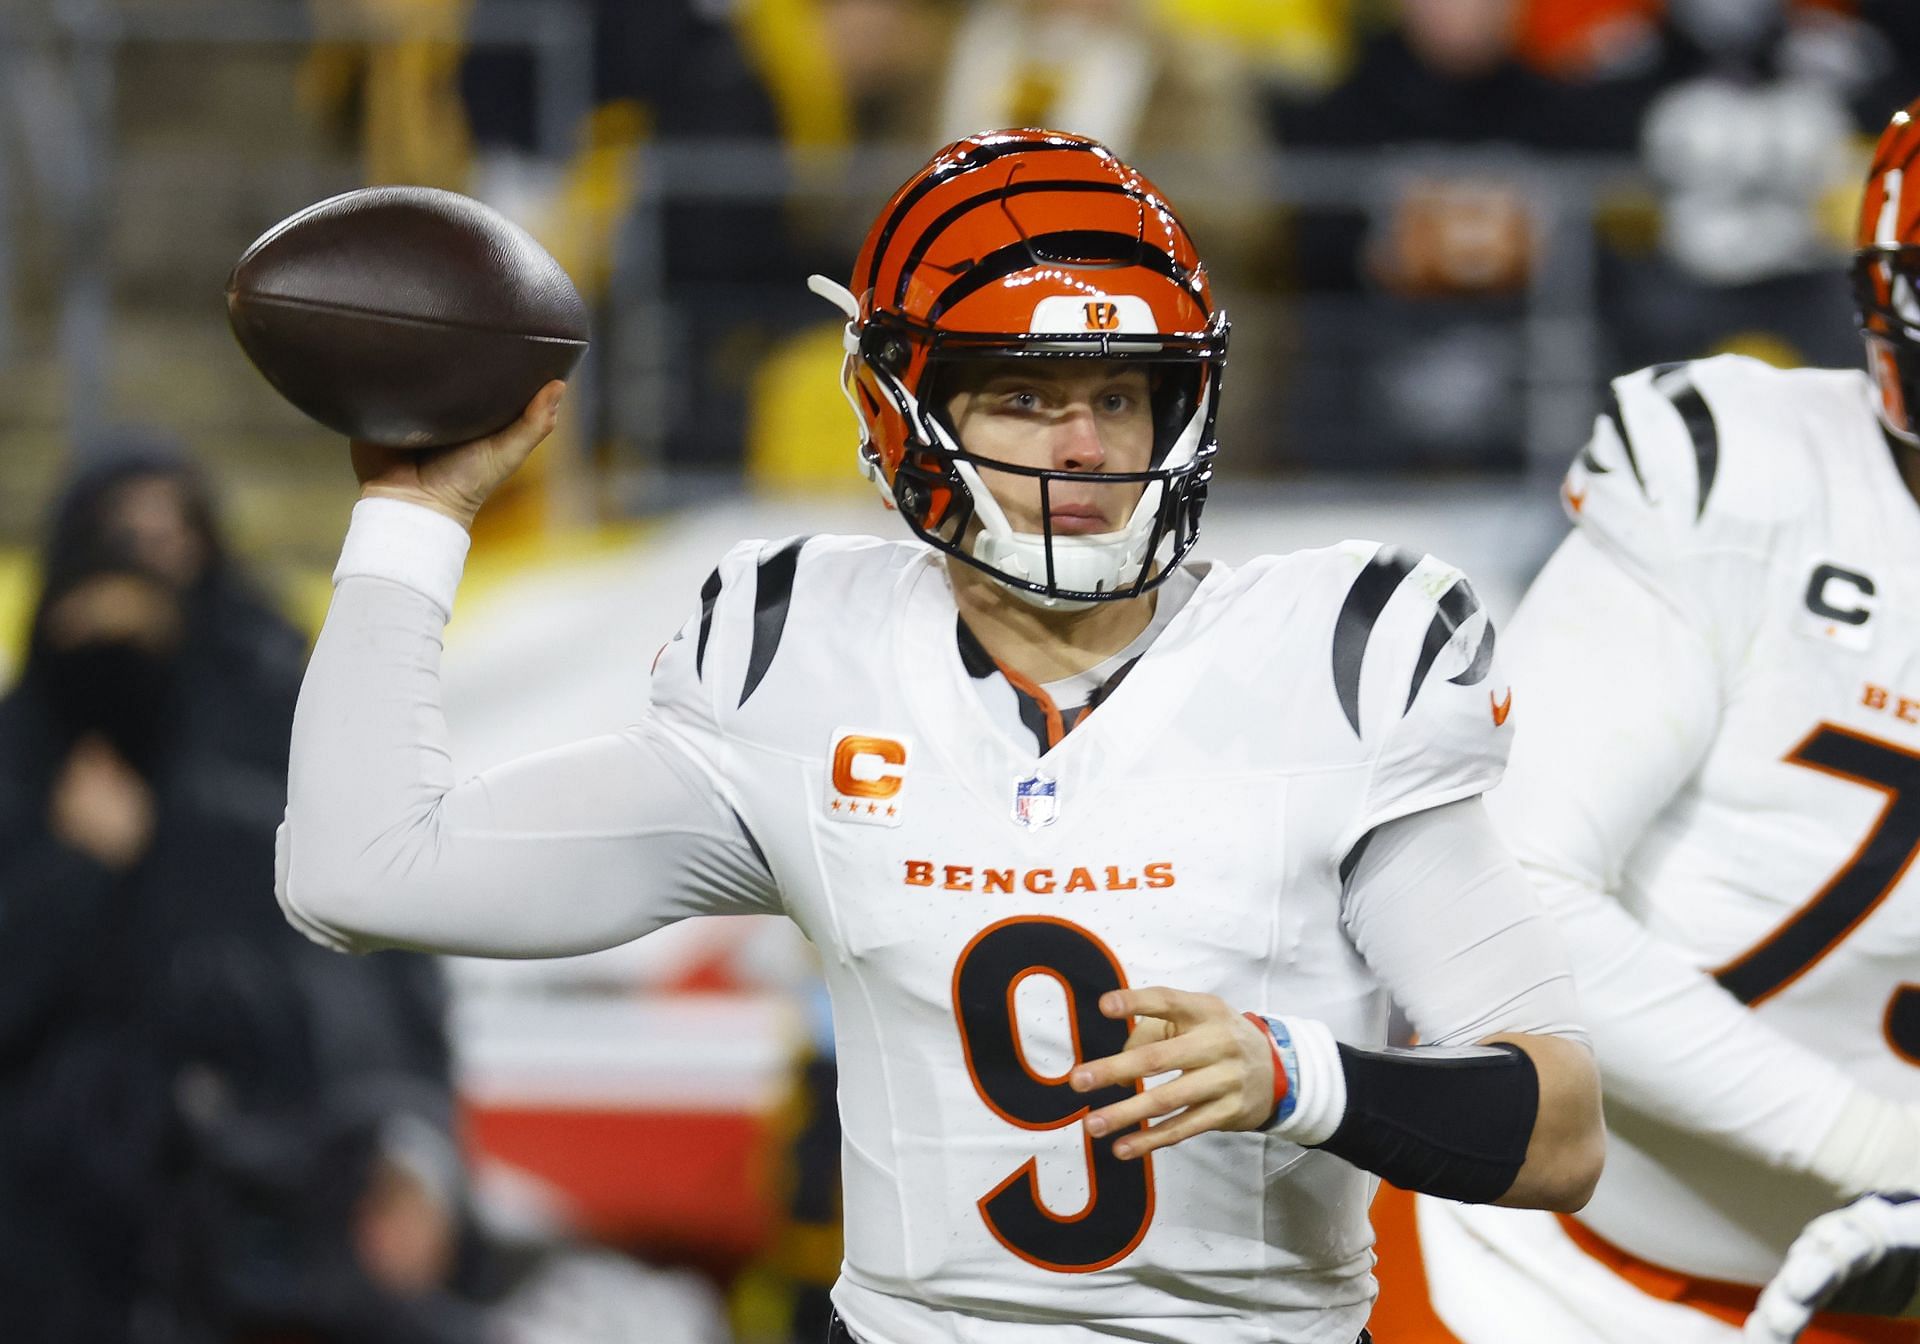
1036, 801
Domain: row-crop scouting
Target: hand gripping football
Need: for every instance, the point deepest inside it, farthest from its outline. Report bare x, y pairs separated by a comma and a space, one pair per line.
405, 316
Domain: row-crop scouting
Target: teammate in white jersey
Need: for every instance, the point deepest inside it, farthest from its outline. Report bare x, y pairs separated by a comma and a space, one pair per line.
1718, 793
1113, 860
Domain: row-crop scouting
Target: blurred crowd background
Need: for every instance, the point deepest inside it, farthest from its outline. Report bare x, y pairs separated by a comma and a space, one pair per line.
1439, 226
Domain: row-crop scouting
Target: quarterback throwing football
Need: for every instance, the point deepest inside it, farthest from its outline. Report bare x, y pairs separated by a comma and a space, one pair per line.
1113, 859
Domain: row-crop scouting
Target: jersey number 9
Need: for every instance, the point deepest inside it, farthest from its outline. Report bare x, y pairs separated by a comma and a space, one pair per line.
1119, 1193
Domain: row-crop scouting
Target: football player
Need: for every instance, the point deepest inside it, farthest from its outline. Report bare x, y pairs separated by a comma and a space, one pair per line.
1113, 859
1863, 1259
1718, 793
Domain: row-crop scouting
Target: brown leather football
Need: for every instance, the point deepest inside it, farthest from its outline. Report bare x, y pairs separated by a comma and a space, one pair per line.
405, 316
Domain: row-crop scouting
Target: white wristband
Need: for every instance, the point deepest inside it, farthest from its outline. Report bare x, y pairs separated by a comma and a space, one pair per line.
1320, 1086
407, 544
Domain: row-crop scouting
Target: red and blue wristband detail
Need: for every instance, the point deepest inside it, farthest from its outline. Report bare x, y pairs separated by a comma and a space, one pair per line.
1286, 1066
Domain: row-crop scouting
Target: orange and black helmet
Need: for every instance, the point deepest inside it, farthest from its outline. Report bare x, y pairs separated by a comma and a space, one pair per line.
1886, 269
1032, 244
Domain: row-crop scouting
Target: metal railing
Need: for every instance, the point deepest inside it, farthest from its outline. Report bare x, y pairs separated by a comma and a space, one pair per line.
1558, 306
58, 80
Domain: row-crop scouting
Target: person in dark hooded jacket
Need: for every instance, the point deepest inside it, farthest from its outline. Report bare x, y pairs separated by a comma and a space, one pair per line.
145, 499
150, 992
82, 1110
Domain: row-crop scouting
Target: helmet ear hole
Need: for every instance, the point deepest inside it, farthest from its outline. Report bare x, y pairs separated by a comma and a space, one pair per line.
886, 350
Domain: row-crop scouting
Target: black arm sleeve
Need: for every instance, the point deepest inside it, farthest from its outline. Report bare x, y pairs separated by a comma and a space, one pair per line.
1452, 1123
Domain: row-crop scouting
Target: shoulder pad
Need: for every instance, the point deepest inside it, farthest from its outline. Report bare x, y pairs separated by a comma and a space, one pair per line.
748, 606
1713, 447
1406, 619
1417, 677
753, 588
721, 655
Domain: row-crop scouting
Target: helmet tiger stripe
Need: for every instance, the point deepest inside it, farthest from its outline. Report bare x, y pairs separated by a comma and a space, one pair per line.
1019, 244
1886, 267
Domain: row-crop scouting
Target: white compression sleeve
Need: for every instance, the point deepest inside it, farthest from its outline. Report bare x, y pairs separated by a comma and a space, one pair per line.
566, 851
1444, 916
1622, 703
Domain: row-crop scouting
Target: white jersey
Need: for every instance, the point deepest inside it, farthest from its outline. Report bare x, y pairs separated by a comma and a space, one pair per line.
972, 901
1725, 667
818, 747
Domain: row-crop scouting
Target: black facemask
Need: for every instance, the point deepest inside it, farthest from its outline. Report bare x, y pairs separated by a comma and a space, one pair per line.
121, 691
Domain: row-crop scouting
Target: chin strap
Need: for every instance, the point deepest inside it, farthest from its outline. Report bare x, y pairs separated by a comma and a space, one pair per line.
1103, 562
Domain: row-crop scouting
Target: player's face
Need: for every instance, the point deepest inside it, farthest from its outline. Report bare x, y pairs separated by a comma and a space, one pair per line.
1064, 415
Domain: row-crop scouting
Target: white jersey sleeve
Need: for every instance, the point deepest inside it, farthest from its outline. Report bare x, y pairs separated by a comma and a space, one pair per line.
1418, 675
1626, 643
1444, 916
565, 851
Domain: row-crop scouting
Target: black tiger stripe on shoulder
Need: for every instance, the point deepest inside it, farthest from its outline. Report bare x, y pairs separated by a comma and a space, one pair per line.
1475, 672
1675, 383
1618, 419
709, 594
1365, 600
772, 596
1454, 609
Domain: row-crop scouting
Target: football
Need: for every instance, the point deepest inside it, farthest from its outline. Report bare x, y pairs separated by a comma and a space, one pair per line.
405, 316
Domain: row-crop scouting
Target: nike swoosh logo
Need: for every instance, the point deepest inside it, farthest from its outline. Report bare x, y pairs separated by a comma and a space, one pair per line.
1501, 708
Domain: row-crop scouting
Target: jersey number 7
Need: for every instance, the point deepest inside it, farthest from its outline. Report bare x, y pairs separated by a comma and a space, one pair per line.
1119, 1202
1856, 890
